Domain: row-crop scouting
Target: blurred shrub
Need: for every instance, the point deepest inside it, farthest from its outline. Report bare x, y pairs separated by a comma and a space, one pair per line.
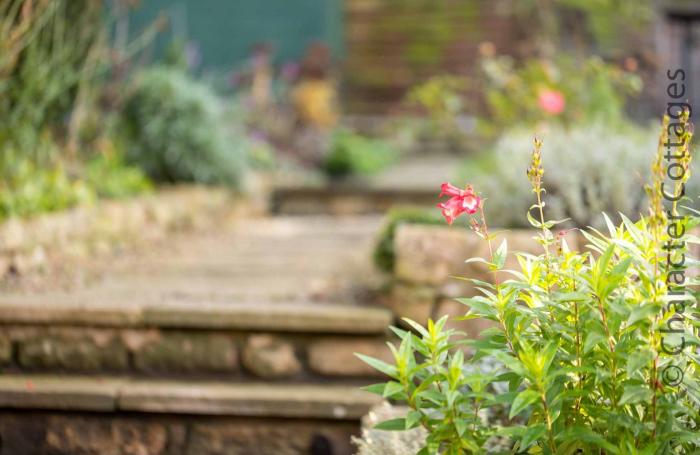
28, 189
384, 255
176, 130
441, 97
590, 169
444, 101
591, 90
110, 177
353, 154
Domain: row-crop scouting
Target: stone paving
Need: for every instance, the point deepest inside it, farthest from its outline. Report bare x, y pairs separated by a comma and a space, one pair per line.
260, 261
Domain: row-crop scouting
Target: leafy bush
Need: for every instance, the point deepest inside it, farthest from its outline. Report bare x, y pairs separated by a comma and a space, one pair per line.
29, 189
384, 250
353, 154
583, 92
587, 342
176, 130
443, 99
110, 177
592, 169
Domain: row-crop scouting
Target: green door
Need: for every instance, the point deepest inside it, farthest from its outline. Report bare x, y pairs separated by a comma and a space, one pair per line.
224, 31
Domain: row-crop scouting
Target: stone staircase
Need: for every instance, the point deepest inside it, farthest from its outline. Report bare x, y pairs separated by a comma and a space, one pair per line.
414, 181
236, 342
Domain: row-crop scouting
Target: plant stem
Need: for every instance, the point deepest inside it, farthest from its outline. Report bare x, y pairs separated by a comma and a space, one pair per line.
552, 444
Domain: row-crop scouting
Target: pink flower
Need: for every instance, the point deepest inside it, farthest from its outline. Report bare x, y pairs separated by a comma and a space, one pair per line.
551, 101
460, 201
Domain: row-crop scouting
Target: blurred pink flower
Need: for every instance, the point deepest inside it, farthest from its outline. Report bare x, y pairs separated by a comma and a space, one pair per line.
461, 201
551, 101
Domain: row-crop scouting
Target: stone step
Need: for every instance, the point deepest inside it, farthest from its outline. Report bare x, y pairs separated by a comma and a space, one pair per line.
347, 200
299, 343
115, 310
75, 415
114, 394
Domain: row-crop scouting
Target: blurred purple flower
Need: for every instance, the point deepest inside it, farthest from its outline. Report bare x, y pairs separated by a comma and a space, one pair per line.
257, 136
290, 71
193, 55
236, 79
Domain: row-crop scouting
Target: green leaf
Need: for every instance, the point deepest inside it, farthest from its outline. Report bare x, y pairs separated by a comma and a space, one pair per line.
461, 427
499, 257
532, 434
578, 433
532, 220
482, 305
637, 360
602, 267
419, 328
522, 401
478, 260
389, 370
377, 389
642, 312
608, 222
392, 425
635, 394
413, 419
592, 340
615, 277
391, 388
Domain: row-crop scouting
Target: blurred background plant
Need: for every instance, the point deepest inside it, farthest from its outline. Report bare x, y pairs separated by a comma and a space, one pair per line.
601, 27
355, 154
443, 100
610, 163
383, 255
562, 90
55, 59
79, 75
175, 130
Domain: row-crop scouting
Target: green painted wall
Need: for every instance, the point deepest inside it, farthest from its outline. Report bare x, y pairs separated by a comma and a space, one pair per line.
225, 30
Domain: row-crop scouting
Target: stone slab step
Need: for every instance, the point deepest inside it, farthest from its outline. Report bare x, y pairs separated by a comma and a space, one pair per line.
347, 200
106, 394
317, 317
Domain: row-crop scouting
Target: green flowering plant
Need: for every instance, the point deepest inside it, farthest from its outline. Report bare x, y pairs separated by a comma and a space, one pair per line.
597, 351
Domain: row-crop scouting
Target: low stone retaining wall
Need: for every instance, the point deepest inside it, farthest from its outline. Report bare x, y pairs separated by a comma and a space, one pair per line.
430, 260
29, 245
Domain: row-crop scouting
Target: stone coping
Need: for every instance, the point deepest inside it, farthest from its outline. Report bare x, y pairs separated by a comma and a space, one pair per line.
317, 317
106, 394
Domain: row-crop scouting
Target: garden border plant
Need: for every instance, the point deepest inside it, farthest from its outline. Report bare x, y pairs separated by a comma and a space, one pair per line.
579, 337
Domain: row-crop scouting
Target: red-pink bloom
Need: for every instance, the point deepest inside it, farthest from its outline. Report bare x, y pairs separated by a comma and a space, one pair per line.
460, 201
551, 101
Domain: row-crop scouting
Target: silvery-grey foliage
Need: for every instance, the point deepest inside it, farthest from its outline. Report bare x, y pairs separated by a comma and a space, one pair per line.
588, 170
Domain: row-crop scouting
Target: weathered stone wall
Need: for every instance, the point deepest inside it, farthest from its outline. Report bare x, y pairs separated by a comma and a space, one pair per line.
30, 245
47, 433
187, 353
